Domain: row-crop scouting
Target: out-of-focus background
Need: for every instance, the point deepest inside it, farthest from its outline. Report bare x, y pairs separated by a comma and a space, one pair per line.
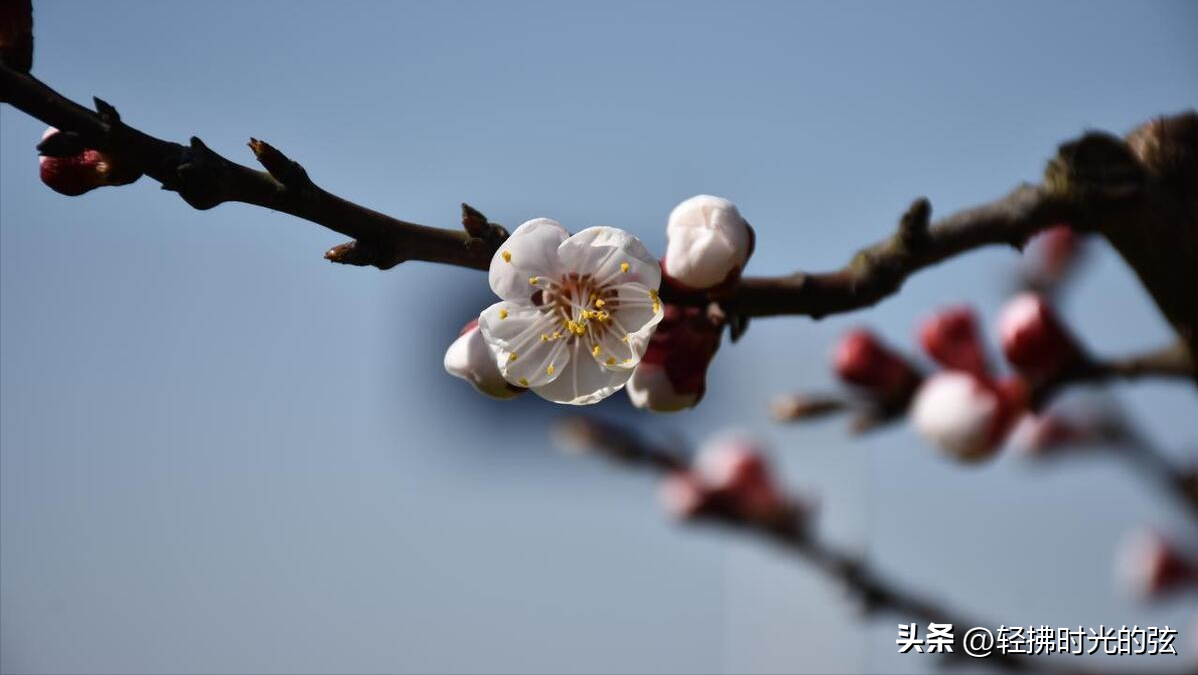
219, 453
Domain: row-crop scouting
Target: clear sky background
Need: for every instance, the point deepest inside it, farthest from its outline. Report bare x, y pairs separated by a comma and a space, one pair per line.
219, 453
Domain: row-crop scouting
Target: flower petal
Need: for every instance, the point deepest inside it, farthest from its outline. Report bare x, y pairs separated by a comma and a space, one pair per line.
582, 382
532, 250
634, 318
519, 336
470, 359
610, 255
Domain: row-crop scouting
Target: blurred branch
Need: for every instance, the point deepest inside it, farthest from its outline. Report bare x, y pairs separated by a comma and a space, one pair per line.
790, 531
1170, 363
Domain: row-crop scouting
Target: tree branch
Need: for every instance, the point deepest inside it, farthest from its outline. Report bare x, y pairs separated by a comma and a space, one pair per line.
792, 533
205, 179
1171, 362
1088, 189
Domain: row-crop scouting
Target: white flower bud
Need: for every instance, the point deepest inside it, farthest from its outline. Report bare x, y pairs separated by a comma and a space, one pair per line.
707, 242
961, 415
470, 359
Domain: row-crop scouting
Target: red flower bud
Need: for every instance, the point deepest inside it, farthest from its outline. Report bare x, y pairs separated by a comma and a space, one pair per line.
72, 175
863, 360
735, 470
1149, 566
1034, 339
951, 337
1049, 255
683, 495
87, 170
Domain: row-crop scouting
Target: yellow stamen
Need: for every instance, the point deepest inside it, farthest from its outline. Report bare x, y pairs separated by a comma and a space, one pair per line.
544, 337
549, 370
600, 302
507, 256
534, 280
512, 356
624, 267
502, 314
611, 360
597, 350
523, 382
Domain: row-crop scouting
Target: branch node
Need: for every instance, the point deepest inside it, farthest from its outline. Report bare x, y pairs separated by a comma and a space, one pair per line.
107, 112
361, 254
282, 168
913, 228
483, 233
199, 174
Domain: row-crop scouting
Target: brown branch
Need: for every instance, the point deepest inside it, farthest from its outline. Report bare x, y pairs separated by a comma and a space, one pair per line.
880, 270
1168, 363
204, 179
1171, 362
1105, 189
792, 533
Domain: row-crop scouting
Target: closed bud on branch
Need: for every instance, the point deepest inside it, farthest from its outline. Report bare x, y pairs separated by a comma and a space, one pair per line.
964, 415
672, 375
951, 337
735, 470
470, 359
73, 175
1034, 339
862, 359
1149, 566
85, 171
707, 244
682, 495
1050, 255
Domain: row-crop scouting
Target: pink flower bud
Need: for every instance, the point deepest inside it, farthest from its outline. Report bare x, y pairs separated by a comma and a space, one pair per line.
1070, 425
672, 375
951, 338
707, 243
682, 495
1148, 566
1033, 338
964, 415
863, 360
735, 470
1049, 255
76, 174
470, 359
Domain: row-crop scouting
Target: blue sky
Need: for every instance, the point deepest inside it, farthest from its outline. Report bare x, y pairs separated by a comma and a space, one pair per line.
219, 453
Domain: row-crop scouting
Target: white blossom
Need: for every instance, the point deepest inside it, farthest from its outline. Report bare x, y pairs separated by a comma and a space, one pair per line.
576, 312
470, 359
707, 240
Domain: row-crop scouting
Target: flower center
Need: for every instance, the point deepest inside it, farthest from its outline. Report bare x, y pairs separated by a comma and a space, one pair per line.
578, 306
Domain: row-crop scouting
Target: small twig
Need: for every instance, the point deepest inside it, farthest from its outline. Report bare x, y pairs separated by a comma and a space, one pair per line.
1172, 362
